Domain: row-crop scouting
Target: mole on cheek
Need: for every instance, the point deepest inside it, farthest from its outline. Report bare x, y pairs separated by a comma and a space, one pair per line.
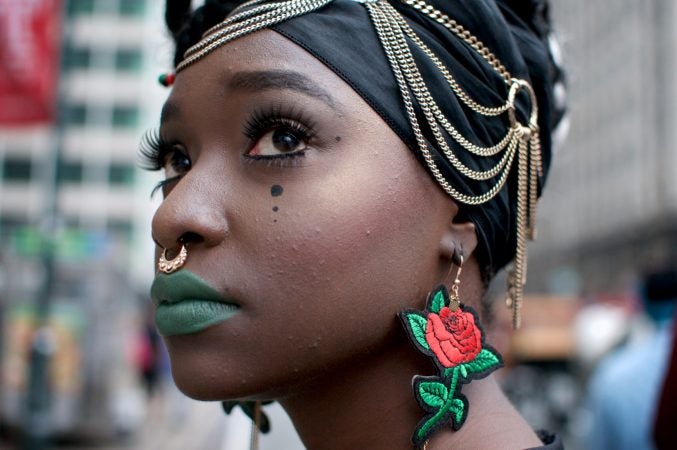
276, 190
275, 208
338, 138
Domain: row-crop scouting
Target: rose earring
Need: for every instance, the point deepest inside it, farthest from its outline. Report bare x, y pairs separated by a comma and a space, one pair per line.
450, 333
168, 266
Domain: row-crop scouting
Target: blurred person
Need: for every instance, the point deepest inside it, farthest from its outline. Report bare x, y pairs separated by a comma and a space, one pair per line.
665, 432
623, 390
148, 353
326, 176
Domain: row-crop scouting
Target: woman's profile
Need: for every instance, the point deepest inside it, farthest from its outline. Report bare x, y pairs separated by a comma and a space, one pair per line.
342, 180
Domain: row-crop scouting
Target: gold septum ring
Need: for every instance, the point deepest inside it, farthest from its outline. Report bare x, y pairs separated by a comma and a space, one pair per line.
172, 265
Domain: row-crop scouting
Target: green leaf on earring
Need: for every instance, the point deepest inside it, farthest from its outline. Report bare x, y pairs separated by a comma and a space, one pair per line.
433, 393
483, 361
458, 409
418, 324
438, 302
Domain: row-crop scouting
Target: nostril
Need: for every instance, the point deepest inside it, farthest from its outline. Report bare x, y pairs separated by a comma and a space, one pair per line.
190, 238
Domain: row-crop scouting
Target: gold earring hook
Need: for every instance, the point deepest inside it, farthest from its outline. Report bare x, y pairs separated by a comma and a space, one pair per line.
455, 300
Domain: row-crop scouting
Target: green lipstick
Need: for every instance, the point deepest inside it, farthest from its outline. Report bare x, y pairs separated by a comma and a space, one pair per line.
187, 304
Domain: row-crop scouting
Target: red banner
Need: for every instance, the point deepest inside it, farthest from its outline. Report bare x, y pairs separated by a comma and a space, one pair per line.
29, 60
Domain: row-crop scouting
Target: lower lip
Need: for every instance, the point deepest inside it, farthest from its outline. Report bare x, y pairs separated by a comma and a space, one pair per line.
191, 316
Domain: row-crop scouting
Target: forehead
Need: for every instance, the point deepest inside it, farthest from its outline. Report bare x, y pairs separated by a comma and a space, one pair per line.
264, 59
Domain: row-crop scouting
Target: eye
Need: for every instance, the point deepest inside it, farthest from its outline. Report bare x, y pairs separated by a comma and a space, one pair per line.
279, 141
156, 152
176, 163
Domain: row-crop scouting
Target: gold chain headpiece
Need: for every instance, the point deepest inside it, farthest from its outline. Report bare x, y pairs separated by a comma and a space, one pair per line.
521, 140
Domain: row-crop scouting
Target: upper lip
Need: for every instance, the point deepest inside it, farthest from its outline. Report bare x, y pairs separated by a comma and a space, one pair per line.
183, 285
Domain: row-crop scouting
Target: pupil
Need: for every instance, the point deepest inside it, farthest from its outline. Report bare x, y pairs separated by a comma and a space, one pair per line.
180, 162
284, 141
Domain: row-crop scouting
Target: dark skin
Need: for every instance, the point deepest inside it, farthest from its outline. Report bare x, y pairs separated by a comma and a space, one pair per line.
360, 232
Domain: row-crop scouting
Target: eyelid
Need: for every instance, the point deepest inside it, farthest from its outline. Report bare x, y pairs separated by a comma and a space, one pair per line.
266, 119
283, 160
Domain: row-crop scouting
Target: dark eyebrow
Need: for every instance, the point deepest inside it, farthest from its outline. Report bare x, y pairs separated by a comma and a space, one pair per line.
253, 81
260, 80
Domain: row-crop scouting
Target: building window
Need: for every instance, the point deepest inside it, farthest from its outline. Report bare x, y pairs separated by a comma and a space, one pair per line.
121, 174
77, 57
128, 59
76, 114
17, 169
132, 7
125, 116
70, 171
77, 7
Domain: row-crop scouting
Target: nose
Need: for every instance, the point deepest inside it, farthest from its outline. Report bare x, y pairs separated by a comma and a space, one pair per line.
190, 214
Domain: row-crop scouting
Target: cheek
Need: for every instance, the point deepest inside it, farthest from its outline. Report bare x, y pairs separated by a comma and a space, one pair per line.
344, 253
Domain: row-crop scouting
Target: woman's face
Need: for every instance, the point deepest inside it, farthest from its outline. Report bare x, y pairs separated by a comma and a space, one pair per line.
300, 205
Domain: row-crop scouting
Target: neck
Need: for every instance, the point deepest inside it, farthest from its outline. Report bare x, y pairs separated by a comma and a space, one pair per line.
371, 405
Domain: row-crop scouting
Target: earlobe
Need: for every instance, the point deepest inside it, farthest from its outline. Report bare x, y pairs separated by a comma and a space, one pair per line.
458, 238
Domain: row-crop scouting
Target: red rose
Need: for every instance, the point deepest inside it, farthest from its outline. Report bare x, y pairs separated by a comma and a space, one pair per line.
453, 336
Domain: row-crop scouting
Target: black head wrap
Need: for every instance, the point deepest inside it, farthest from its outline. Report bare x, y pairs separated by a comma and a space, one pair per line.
342, 36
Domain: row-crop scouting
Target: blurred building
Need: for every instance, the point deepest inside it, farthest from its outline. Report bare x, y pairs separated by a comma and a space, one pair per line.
110, 59
105, 83
610, 207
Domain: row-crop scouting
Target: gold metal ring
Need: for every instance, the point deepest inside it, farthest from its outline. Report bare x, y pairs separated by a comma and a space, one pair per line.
169, 266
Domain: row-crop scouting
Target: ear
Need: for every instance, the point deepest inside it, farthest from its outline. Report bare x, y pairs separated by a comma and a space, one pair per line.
458, 239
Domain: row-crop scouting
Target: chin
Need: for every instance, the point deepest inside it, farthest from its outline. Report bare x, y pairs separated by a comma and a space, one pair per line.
204, 386
200, 376
206, 377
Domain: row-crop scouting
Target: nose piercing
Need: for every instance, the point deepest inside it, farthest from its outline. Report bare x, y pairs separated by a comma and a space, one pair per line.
169, 266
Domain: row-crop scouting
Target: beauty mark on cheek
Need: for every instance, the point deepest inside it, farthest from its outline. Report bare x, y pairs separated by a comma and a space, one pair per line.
338, 138
276, 191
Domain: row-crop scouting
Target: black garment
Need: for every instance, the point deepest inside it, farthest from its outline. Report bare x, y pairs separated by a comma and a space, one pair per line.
550, 441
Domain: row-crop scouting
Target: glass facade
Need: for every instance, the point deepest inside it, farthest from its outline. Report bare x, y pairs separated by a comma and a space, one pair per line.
76, 57
100, 81
121, 174
125, 116
17, 168
131, 8
70, 171
77, 7
76, 114
128, 59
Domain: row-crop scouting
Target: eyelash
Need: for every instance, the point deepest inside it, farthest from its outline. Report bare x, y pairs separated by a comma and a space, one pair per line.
265, 120
153, 150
